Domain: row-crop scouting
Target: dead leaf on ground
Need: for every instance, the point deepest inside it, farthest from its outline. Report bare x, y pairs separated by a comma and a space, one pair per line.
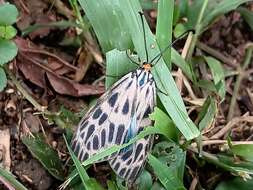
5, 159
35, 12
65, 86
36, 63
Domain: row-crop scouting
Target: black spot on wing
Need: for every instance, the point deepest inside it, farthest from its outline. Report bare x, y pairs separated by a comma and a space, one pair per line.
103, 135
141, 158
138, 150
129, 84
129, 161
91, 129
77, 149
127, 154
83, 125
120, 132
73, 146
122, 172
88, 146
113, 161
82, 135
134, 173
125, 109
85, 157
80, 155
111, 131
97, 113
127, 173
147, 112
112, 100
95, 142
147, 92
102, 119
117, 166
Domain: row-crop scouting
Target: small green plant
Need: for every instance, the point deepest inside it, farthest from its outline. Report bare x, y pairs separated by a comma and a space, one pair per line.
8, 49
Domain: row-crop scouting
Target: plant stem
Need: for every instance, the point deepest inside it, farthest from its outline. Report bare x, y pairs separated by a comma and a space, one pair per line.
240, 76
25, 94
197, 31
216, 54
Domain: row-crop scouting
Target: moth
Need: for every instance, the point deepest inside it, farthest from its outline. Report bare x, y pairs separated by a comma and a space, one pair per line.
118, 116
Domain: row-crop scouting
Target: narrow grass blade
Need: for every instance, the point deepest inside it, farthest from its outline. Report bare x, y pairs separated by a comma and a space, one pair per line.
11, 179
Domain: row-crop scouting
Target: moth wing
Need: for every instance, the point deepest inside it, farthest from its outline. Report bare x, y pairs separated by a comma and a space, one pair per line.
106, 123
129, 163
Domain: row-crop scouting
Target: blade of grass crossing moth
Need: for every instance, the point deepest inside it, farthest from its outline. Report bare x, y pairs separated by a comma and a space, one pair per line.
172, 101
164, 27
81, 171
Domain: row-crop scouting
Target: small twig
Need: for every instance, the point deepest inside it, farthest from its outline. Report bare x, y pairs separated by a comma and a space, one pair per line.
231, 124
25, 94
50, 54
239, 78
216, 54
197, 30
215, 142
24, 6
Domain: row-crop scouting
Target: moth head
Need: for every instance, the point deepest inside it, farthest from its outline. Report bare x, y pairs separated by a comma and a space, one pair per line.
146, 66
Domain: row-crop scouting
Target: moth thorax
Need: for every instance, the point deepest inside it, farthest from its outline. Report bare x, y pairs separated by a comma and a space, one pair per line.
147, 66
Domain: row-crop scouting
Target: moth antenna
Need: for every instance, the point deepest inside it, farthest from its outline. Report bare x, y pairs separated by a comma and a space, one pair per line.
159, 56
144, 36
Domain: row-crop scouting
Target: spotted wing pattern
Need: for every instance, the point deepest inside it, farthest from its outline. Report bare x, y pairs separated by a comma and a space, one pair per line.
119, 115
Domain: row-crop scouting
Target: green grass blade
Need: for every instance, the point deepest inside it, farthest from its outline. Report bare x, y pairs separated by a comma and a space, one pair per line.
108, 24
164, 27
165, 174
11, 179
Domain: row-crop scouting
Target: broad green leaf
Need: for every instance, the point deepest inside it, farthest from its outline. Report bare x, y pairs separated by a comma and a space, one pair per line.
165, 174
157, 186
243, 150
235, 184
3, 79
147, 4
247, 16
172, 156
11, 179
93, 184
9, 14
117, 65
8, 50
164, 27
108, 23
164, 123
218, 75
112, 185
47, 156
7, 32
144, 181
